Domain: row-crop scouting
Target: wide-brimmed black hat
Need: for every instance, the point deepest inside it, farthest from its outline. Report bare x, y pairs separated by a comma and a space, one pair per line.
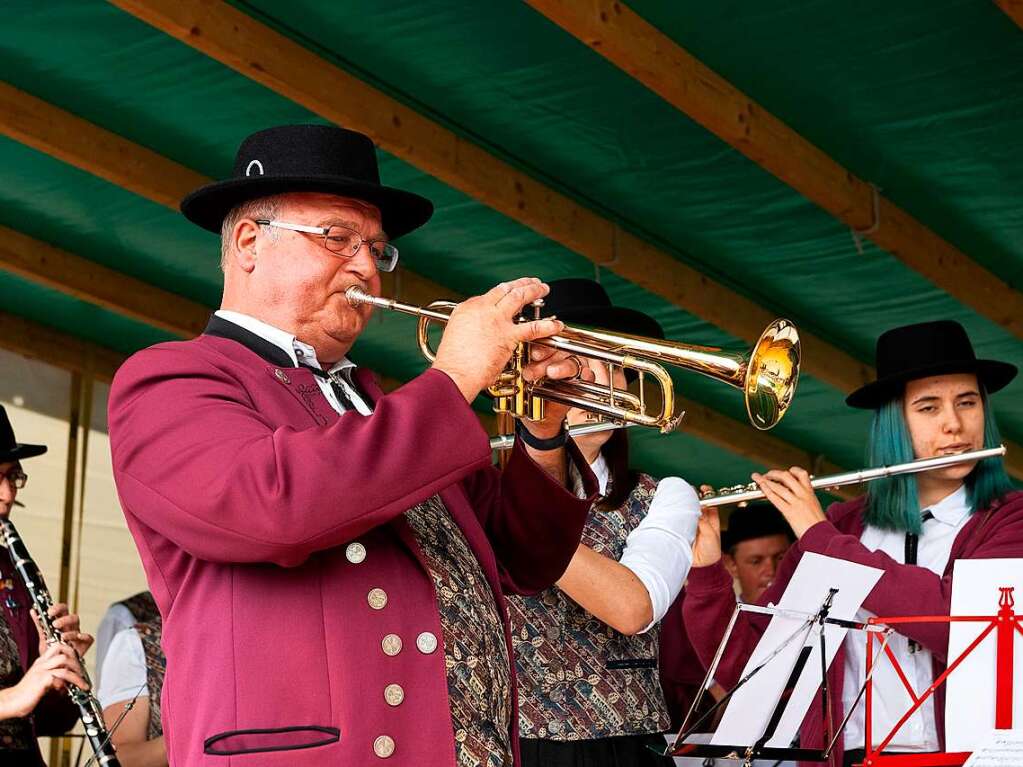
10, 448
585, 302
926, 349
757, 520
307, 158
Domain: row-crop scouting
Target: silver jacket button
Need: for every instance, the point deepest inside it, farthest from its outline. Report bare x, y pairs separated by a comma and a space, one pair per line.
355, 553
391, 644
394, 694
383, 746
426, 642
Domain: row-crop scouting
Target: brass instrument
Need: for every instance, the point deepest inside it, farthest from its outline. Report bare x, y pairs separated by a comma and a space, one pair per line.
751, 492
767, 374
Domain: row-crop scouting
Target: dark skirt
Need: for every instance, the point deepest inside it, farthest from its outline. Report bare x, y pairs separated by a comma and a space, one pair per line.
624, 751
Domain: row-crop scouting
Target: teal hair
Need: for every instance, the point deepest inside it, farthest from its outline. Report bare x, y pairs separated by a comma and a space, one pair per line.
892, 502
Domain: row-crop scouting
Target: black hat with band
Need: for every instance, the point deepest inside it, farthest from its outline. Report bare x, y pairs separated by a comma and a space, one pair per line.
926, 349
307, 158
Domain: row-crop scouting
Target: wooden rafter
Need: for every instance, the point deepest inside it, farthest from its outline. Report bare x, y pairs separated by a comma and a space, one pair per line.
88, 281
652, 58
267, 57
35, 341
1013, 9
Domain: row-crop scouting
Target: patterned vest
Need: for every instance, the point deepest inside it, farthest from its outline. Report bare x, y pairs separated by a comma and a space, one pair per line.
475, 652
578, 678
15, 734
156, 666
142, 606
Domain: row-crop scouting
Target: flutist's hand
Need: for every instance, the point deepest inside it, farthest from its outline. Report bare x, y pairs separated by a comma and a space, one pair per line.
53, 670
483, 332
68, 625
792, 494
707, 546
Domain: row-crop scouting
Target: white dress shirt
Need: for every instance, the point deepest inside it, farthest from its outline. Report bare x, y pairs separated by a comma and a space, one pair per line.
302, 354
123, 671
115, 619
891, 700
660, 550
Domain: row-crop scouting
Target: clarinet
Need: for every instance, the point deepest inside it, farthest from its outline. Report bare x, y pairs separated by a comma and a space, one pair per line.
88, 707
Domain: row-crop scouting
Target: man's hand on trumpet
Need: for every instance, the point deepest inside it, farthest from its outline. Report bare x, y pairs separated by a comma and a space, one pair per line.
481, 337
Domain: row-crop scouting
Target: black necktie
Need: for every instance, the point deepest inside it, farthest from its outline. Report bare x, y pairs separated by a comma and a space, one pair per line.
912, 539
336, 386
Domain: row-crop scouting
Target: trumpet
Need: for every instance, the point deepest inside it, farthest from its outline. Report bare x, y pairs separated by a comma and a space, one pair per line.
766, 375
751, 492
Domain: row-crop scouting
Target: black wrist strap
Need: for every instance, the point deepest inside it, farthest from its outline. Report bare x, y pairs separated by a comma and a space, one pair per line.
553, 443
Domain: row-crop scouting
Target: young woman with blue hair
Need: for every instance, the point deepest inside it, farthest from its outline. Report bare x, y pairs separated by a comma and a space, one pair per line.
930, 399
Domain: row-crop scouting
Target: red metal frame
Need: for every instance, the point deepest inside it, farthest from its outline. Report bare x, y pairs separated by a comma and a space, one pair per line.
1004, 624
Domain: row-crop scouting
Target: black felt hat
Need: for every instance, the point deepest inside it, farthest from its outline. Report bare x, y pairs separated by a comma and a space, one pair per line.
10, 448
758, 520
307, 158
926, 349
578, 301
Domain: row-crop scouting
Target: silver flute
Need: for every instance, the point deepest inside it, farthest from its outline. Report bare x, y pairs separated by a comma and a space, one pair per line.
89, 710
751, 492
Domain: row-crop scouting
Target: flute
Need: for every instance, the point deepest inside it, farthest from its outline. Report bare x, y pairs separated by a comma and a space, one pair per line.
89, 710
751, 492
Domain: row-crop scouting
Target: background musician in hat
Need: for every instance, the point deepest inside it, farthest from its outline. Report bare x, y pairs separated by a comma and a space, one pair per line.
586, 651
330, 561
930, 399
33, 675
753, 546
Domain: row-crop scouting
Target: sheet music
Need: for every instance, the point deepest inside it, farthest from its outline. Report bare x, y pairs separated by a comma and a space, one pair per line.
750, 709
970, 689
998, 748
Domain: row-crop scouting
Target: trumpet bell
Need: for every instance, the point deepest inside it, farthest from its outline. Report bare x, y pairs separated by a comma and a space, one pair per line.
772, 374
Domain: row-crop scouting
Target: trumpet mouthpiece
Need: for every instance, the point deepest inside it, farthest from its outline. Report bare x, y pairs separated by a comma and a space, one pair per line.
357, 296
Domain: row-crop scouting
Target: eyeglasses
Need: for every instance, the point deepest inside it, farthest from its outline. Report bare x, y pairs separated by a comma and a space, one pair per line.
344, 241
16, 477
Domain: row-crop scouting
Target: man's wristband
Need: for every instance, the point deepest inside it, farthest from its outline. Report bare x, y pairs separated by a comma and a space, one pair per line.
552, 443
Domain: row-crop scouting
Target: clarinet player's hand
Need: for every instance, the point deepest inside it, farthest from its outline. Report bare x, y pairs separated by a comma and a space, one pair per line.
67, 624
53, 670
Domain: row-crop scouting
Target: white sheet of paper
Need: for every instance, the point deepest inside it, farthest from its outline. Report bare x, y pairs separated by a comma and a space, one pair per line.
749, 710
997, 748
970, 689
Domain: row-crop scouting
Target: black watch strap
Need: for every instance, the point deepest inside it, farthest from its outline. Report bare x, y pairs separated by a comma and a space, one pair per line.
553, 443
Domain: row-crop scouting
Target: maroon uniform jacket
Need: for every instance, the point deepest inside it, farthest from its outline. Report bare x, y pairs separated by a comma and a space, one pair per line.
902, 590
243, 488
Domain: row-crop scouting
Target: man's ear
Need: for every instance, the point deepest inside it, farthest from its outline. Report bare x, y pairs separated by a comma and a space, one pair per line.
729, 562
243, 244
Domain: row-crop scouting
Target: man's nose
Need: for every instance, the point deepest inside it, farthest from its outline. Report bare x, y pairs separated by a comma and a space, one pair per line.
362, 264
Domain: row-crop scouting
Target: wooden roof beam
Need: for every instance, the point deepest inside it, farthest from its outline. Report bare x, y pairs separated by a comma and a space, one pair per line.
38, 342
1013, 9
86, 280
238, 41
651, 57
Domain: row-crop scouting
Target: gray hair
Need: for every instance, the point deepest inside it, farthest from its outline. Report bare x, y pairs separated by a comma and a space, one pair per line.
261, 207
